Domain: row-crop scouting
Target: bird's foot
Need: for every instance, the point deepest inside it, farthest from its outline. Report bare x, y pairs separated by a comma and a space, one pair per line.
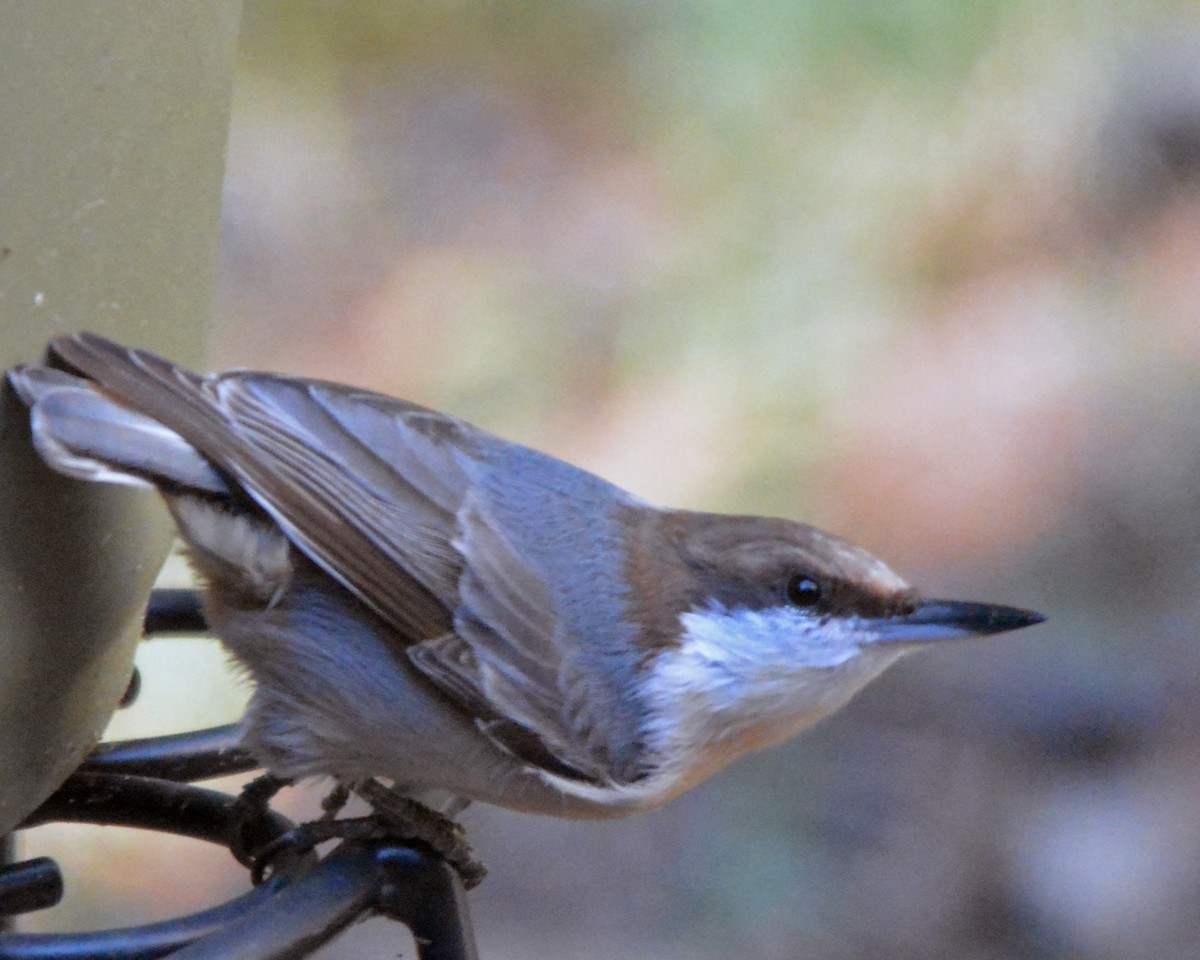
405, 818
395, 817
248, 823
332, 805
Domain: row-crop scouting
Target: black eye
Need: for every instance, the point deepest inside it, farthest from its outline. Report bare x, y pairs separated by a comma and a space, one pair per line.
803, 591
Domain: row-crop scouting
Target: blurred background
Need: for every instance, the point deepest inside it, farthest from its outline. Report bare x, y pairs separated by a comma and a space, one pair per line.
926, 273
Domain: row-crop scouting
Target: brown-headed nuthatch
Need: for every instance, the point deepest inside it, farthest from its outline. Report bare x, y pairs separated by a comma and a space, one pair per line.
416, 599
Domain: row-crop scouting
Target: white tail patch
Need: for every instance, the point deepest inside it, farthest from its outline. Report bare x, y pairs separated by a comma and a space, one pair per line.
236, 551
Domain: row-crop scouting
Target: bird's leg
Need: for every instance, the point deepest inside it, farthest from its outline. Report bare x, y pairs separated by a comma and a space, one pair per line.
249, 811
407, 819
332, 805
394, 817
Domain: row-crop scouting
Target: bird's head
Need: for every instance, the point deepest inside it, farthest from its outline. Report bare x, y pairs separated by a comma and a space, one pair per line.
779, 625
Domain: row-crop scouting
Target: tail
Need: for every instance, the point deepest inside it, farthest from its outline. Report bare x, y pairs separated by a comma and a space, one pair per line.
82, 433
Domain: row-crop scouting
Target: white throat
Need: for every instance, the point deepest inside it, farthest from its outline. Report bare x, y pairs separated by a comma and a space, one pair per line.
740, 680
747, 679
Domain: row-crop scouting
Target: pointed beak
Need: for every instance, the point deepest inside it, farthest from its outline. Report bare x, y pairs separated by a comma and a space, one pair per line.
936, 620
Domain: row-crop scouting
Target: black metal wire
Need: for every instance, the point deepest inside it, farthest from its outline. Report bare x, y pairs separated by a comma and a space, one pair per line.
33, 885
150, 804
428, 897
303, 905
419, 891
182, 757
182, 809
8, 856
146, 784
174, 611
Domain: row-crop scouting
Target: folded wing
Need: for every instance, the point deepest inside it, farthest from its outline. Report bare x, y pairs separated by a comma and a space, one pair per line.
474, 550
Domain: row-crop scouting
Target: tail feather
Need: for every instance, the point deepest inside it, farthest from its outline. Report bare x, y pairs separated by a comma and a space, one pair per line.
179, 399
83, 433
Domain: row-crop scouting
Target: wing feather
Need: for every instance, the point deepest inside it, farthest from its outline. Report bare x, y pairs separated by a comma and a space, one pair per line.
481, 554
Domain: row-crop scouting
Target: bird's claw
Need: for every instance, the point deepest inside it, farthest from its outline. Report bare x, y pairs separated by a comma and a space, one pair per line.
248, 818
395, 817
407, 819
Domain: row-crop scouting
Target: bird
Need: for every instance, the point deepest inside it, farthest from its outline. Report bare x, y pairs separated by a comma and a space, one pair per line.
419, 601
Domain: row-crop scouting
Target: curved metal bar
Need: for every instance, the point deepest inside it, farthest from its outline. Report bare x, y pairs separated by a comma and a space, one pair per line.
174, 611
403, 884
182, 809
30, 885
427, 896
148, 804
288, 920
136, 943
182, 757
143, 783
8, 856
308, 913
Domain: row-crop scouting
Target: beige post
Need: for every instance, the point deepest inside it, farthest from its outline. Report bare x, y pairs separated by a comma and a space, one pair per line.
113, 121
